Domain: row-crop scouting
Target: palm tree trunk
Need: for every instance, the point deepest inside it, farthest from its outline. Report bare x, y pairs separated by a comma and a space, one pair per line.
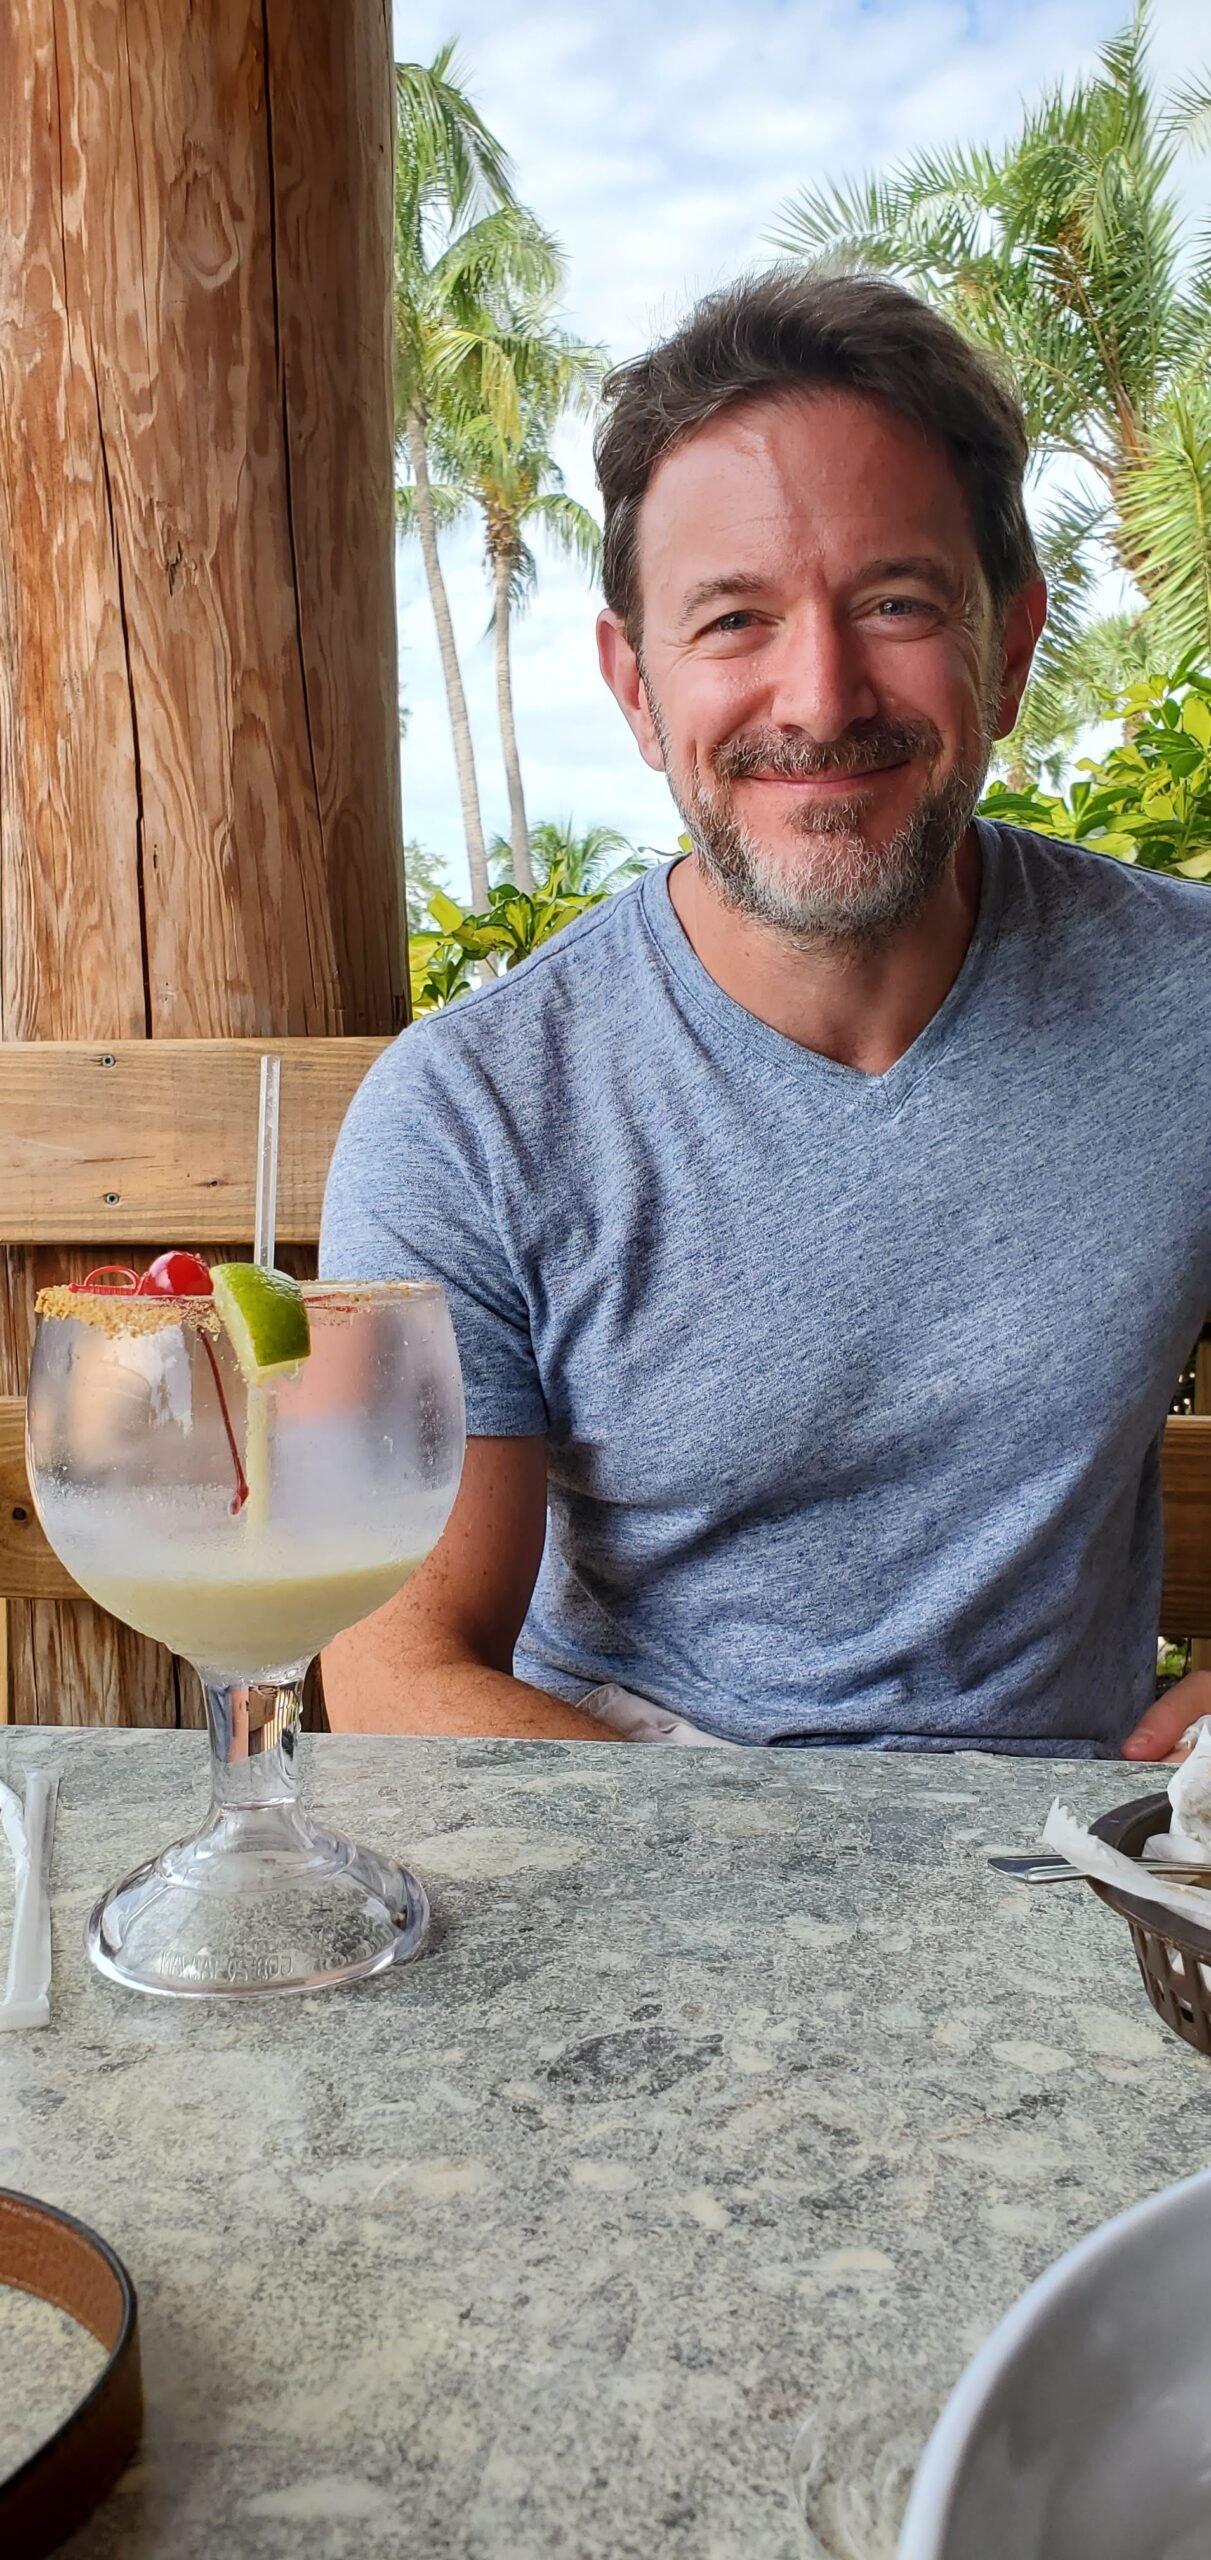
464, 752
519, 833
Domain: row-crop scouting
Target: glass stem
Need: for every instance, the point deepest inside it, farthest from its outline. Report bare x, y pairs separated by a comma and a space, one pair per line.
254, 1733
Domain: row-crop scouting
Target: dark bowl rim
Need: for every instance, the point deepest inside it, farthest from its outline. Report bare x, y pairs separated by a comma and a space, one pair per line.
1146, 1814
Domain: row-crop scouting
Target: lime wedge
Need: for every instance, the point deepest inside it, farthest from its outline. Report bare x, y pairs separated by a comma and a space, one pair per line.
264, 1315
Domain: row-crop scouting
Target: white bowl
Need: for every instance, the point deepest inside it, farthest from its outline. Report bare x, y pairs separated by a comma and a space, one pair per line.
1082, 2429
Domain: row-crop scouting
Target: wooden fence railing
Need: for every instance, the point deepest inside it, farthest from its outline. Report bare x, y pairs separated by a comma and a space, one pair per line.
150, 1141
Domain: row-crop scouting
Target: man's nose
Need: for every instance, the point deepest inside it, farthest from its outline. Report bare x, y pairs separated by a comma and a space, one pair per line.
821, 682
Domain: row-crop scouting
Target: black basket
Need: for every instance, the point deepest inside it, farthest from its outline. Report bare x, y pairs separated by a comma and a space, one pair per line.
1174, 1956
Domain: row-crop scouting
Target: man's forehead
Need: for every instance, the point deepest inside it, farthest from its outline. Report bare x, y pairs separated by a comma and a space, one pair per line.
820, 468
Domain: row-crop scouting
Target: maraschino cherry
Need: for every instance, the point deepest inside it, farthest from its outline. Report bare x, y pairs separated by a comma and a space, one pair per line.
176, 1275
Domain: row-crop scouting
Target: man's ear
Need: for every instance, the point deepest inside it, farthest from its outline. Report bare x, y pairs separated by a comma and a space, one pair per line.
1019, 640
619, 664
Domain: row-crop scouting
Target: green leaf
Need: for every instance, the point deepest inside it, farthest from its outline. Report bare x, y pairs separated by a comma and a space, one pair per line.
449, 916
1196, 717
1183, 755
1123, 848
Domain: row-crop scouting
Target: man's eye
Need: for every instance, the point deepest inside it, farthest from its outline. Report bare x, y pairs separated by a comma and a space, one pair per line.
737, 621
898, 608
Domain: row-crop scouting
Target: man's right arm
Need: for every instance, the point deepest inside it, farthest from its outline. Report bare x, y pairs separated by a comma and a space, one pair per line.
438, 1658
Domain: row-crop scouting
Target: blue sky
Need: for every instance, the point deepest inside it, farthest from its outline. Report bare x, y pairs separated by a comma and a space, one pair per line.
658, 143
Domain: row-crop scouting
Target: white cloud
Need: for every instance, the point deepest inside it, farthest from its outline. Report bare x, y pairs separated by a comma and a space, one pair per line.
659, 145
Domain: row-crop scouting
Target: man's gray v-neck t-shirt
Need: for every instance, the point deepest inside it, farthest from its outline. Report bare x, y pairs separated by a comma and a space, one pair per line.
851, 1386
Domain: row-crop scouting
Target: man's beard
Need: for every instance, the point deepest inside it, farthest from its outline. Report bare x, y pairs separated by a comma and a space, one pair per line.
853, 894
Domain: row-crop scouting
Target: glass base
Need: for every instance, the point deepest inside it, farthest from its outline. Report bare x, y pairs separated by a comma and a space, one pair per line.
256, 1902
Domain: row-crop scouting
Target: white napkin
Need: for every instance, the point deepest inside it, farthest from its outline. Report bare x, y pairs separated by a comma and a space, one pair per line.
29, 1831
1189, 1833
1190, 1796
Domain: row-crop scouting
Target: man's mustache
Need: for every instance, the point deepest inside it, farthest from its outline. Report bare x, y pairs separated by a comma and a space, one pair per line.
791, 753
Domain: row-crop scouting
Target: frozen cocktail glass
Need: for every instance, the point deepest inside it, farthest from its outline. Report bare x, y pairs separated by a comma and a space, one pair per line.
244, 1521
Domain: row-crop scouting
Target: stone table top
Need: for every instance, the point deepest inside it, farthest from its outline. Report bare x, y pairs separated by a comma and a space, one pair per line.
655, 2212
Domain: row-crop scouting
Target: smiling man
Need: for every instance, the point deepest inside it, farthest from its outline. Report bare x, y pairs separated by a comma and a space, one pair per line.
824, 1220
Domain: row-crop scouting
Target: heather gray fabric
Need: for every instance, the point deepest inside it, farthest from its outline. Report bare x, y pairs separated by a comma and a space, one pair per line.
851, 1386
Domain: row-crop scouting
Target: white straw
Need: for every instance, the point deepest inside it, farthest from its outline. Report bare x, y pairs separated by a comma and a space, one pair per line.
267, 1163
30, 1833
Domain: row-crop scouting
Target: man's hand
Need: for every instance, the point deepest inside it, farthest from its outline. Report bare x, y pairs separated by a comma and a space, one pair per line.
1162, 1733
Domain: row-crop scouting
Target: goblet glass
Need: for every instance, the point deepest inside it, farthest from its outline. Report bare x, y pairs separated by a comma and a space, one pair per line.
244, 1525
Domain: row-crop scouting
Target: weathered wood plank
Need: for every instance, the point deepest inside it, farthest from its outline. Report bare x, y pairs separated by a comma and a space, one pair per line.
198, 710
1186, 1483
29, 1567
71, 1664
153, 1141
330, 86
69, 798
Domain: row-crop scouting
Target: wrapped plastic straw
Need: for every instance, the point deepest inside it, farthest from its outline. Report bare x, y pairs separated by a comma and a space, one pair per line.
267, 1163
30, 1833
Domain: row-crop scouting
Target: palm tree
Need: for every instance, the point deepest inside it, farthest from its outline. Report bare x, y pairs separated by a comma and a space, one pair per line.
580, 864
461, 242
1063, 255
504, 467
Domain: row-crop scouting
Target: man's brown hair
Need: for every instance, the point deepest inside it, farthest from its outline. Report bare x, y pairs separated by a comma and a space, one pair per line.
807, 330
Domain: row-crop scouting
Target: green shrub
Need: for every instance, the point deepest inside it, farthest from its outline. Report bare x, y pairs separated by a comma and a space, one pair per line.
443, 963
1147, 801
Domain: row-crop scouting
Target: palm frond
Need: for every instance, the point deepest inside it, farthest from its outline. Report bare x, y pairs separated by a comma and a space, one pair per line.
507, 252
1166, 510
923, 220
523, 579
1187, 117
569, 528
476, 389
443, 145
580, 863
450, 505
1189, 322
1082, 684
1124, 57
1066, 539
521, 584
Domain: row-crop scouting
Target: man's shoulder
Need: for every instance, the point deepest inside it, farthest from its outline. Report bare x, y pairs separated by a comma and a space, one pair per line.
531, 1032
587, 950
587, 968
1083, 880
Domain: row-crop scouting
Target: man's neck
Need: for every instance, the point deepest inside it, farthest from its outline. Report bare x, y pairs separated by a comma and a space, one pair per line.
863, 1008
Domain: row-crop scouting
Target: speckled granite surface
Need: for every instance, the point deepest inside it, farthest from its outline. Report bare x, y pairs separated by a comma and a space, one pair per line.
655, 2213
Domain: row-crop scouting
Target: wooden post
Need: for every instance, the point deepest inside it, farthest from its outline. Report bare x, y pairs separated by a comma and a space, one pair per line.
199, 778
